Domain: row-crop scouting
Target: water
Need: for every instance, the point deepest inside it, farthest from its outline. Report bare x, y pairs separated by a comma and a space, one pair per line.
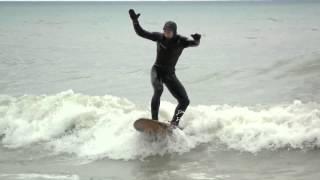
75, 76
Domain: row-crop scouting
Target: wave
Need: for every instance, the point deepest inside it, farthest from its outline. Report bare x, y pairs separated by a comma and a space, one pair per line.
101, 126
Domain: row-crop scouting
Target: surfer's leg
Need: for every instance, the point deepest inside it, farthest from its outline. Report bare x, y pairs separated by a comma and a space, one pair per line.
157, 85
178, 91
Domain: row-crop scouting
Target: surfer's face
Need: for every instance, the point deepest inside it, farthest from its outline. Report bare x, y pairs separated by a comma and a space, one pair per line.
168, 33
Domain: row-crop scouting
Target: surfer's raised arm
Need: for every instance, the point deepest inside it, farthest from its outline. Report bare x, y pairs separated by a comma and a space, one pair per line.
191, 43
154, 36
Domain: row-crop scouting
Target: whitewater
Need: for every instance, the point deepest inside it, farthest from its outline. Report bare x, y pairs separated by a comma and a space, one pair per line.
102, 126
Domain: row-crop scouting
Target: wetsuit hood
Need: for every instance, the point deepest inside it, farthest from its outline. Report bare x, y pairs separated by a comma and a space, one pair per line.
172, 26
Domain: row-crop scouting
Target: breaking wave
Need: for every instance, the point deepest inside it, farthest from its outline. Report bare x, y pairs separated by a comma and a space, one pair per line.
101, 126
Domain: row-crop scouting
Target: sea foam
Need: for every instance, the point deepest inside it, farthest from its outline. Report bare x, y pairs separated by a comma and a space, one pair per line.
101, 126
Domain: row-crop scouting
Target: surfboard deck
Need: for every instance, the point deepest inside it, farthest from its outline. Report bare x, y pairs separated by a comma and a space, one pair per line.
152, 127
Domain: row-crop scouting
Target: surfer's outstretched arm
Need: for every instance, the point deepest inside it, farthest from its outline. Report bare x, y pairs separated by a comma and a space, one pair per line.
191, 43
154, 36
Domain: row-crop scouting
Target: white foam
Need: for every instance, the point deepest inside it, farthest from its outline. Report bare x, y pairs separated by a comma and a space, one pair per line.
101, 126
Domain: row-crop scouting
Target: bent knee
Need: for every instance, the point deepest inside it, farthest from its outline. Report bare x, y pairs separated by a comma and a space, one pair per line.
158, 90
185, 101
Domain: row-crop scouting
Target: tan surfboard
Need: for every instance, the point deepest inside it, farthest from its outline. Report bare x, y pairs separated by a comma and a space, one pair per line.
152, 127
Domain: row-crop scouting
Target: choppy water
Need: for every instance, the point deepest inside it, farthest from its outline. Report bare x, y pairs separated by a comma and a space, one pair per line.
75, 76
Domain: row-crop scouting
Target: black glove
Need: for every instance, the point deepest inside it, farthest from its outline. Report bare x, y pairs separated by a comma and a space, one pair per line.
133, 15
196, 36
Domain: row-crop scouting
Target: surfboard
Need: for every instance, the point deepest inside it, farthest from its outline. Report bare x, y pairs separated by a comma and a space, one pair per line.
152, 127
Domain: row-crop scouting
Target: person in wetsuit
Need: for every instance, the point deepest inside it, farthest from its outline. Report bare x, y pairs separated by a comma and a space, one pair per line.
169, 47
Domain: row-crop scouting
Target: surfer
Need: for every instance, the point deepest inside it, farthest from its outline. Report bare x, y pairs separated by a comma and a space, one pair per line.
169, 47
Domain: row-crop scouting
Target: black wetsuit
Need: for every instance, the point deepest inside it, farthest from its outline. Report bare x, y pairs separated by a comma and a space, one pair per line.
163, 70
